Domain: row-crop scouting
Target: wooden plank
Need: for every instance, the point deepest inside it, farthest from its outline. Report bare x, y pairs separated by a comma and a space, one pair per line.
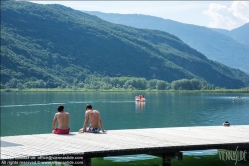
124, 141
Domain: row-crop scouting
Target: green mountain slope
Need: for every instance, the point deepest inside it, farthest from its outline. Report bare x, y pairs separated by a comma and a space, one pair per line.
216, 46
59, 45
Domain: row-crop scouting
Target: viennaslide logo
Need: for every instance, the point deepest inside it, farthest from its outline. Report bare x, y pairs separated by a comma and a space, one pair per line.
236, 155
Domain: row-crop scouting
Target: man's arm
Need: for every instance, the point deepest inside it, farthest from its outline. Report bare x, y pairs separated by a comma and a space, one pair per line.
54, 122
86, 121
101, 124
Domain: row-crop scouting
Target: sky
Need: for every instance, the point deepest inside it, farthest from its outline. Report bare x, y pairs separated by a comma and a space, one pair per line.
214, 14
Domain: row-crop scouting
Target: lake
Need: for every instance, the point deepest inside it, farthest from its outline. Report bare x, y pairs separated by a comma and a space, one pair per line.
33, 112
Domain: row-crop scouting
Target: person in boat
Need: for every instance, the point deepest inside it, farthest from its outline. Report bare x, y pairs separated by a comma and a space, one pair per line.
95, 121
63, 120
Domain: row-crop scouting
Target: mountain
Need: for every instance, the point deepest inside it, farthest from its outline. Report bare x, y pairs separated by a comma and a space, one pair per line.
240, 34
58, 45
214, 45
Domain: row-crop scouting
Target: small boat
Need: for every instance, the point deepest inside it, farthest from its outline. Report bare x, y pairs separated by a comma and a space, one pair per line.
226, 123
140, 98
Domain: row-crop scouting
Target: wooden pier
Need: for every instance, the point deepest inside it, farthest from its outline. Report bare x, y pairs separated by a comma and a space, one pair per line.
165, 142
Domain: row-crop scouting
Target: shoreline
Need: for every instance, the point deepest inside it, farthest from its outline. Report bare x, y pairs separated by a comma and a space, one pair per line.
246, 90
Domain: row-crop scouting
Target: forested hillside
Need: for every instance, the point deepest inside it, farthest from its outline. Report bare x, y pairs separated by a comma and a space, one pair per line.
52, 45
229, 49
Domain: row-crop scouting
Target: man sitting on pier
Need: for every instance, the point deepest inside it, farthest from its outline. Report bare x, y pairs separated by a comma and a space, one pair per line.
63, 120
95, 121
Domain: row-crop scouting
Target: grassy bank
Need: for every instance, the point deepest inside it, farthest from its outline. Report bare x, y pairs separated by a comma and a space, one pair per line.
244, 90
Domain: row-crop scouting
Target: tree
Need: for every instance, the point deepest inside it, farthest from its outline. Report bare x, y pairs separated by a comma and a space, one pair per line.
151, 84
20, 86
161, 85
13, 83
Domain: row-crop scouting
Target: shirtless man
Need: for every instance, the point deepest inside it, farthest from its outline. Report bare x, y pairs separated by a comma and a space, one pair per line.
63, 119
95, 121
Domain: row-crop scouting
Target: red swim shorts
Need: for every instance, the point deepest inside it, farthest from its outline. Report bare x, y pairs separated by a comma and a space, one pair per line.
60, 131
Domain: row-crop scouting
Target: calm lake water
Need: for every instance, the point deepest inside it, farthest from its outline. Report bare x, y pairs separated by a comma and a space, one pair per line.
32, 113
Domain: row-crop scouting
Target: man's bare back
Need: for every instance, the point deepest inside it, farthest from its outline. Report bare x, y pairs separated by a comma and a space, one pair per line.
63, 120
94, 118
95, 121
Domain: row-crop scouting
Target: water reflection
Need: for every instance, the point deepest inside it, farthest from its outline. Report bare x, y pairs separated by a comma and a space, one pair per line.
140, 105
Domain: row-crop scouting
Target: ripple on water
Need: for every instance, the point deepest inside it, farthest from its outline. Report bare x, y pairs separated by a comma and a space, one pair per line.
30, 105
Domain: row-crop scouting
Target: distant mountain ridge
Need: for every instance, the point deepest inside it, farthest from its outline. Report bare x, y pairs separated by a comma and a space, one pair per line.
59, 45
213, 44
240, 34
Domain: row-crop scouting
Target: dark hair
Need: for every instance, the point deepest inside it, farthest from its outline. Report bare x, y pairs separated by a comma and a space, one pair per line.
89, 106
60, 108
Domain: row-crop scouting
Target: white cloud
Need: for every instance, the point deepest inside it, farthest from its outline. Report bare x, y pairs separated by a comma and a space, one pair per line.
225, 17
241, 10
